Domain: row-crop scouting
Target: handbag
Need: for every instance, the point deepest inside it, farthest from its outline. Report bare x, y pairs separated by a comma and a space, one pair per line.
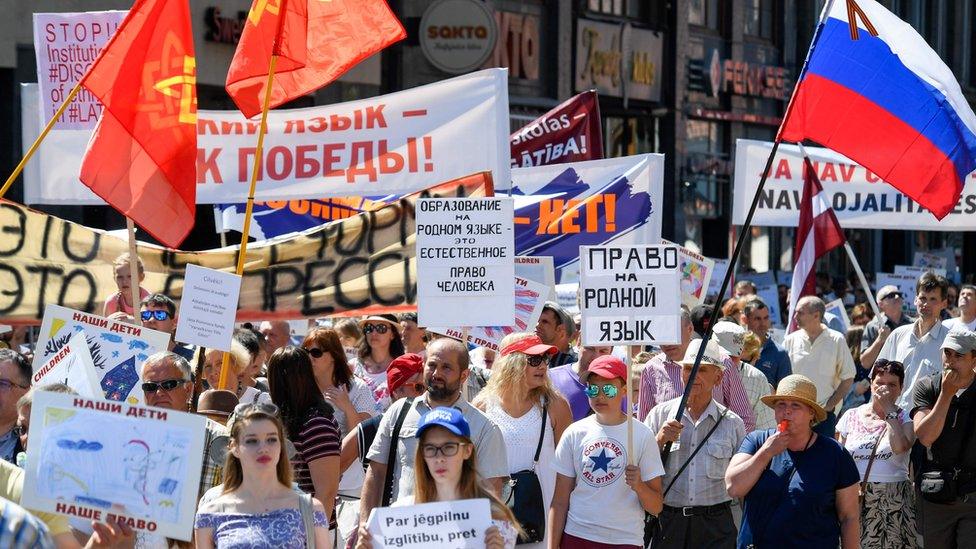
306, 509
939, 487
524, 496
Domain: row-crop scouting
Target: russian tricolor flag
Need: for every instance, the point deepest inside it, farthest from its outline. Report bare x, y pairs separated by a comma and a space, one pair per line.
877, 93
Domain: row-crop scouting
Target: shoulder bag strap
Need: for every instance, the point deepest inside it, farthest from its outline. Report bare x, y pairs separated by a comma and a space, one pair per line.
305, 506
874, 453
391, 457
542, 435
695, 453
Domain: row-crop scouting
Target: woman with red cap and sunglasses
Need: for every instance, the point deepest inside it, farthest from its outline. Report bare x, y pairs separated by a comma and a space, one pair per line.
381, 343
600, 499
520, 399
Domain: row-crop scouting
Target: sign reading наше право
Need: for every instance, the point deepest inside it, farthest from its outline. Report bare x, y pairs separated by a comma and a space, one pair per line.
630, 295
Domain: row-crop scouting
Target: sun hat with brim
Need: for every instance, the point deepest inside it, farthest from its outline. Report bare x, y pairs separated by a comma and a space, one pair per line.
389, 319
731, 337
447, 417
712, 355
797, 388
217, 402
531, 345
960, 340
607, 367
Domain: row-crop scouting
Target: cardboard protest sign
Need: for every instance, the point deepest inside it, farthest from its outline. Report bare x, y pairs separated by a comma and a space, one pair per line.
396, 144
117, 349
73, 366
539, 269
915, 271
630, 295
459, 524
109, 461
567, 295
208, 308
571, 132
769, 293
836, 308
465, 262
905, 284
65, 45
718, 275
859, 198
352, 264
696, 271
560, 208
926, 260
530, 298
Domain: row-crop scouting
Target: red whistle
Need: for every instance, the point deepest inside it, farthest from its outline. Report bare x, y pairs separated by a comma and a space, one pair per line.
783, 426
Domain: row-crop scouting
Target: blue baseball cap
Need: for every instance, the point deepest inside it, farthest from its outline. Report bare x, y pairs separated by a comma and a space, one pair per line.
449, 418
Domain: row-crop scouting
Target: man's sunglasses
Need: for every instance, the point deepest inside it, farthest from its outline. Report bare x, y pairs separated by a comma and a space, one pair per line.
158, 315
610, 391
378, 328
166, 385
314, 352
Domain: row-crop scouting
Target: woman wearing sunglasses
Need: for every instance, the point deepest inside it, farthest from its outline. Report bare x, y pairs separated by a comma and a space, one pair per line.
349, 396
381, 343
518, 398
600, 499
258, 507
309, 424
446, 471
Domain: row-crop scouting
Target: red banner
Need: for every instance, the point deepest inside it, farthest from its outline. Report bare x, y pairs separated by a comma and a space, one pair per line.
570, 132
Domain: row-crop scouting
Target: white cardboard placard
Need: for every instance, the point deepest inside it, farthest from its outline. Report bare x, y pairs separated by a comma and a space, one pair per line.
208, 308
73, 366
459, 524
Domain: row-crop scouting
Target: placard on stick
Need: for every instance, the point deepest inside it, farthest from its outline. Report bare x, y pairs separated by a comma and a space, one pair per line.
73, 366
458, 524
107, 461
631, 295
208, 308
465, 262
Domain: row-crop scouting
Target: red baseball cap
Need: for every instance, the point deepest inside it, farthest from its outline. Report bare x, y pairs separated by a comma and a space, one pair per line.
606, 366
531, 345
401, 369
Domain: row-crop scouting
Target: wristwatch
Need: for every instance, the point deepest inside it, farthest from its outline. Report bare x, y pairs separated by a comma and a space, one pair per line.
891, 415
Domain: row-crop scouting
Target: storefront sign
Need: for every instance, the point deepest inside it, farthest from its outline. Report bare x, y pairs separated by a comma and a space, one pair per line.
518, 44
221, 28
736, 76
620, 61
457, 36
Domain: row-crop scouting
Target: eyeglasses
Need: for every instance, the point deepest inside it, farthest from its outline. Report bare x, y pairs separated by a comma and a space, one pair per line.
158, 315
7, 385
314, 352
892, 295
166, 385
610, 391
378, 328
448, 449
537, 360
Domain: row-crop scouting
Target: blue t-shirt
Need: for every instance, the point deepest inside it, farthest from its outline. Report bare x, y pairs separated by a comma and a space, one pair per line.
774, 362
806, 514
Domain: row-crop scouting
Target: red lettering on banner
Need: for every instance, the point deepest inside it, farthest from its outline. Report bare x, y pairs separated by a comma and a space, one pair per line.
306, 167
870, 177
847, 172
549, 212
205, 126
279, 155
783, 169
207, 164
829, 173
366, 166
330, 158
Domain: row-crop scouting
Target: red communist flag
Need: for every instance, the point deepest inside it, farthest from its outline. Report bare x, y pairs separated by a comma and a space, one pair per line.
319, 41
142, 157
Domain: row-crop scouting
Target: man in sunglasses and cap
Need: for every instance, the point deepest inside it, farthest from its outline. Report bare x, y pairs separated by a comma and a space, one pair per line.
158, 313
876, 332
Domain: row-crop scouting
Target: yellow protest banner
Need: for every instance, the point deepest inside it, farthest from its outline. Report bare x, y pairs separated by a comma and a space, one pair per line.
365, 261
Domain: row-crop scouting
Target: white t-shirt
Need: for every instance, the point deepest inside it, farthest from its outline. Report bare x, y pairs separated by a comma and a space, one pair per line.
602, 507
860, 439
958, 323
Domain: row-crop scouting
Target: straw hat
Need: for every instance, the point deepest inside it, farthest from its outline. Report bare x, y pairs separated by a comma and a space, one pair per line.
800, 389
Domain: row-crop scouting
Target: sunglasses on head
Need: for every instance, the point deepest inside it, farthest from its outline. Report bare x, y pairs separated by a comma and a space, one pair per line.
314, 352
537, 360
610, 391
166, 385
240, 409
378, 328
158, 315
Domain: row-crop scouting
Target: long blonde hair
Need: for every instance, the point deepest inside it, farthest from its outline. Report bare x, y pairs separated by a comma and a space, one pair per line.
233, 473
508, 375
469, 486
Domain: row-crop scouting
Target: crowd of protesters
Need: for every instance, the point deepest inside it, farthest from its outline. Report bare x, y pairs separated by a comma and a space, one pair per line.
861, 438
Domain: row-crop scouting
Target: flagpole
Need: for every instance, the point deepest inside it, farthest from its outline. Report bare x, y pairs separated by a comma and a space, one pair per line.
629, 411
37, 142
133, 270
258, 156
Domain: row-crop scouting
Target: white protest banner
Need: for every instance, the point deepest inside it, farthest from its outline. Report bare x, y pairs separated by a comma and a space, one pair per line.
117, 349
769, 293
65, 45
465, 262
109, 461
860, 199
208, 307
391, 144
459, 524
567, 295
530, 298
696, 271
836, 308
905, 284
926, 259
630, 295
537, 268
73, 366
918, 271
718, 275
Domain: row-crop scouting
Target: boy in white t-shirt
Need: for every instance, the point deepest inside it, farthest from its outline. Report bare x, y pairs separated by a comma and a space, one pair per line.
600, 500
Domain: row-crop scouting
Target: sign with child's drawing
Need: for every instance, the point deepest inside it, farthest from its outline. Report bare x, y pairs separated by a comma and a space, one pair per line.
459, 524
108, 461
117, 349
72, 366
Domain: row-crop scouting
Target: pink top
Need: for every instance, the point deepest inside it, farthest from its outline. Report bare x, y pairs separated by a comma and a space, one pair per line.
114, 303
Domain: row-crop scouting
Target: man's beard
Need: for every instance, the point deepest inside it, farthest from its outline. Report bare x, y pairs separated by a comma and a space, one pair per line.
442, 392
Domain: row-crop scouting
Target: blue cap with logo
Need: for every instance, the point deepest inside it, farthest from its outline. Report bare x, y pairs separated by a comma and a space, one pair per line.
449, 418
